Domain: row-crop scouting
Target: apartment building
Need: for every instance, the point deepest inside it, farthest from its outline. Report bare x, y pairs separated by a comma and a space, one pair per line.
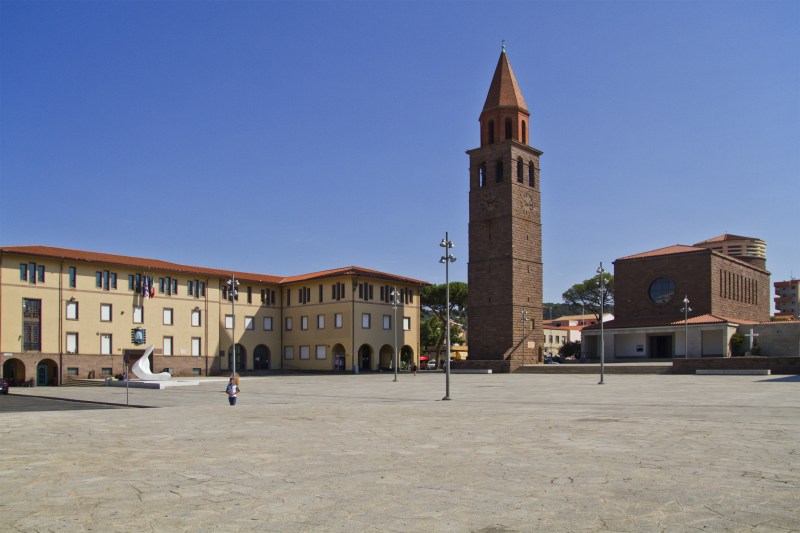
77, 314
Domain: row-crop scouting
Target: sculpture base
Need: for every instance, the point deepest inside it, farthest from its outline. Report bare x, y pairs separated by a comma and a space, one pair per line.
144, 384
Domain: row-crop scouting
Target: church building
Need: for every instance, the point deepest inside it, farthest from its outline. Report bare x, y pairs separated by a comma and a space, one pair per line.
681, 301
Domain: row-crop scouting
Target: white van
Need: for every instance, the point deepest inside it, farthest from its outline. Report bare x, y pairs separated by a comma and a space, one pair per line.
431, 364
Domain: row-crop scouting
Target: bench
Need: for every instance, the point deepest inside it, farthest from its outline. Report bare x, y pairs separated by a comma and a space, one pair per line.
733, 372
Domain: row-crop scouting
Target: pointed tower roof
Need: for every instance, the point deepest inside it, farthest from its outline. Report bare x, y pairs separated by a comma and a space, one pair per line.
504, 91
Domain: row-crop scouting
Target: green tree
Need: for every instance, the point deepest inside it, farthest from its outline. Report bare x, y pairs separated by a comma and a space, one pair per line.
572, 348
553, 311
429, 330
433, 302
587, 295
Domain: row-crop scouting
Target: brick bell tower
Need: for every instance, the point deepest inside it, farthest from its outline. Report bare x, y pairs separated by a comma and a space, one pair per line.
505, 232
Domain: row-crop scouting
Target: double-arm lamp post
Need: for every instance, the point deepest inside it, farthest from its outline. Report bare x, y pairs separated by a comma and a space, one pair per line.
686, 310
447, 259
602, 273
233, 291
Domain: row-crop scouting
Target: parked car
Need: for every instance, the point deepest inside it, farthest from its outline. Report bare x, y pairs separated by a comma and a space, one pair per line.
3, 386
431, 364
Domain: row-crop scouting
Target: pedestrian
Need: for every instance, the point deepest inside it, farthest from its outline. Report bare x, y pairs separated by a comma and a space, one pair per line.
414, 368
232, 390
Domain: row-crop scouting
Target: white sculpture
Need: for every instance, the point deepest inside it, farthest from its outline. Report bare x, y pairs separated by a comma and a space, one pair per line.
142, 368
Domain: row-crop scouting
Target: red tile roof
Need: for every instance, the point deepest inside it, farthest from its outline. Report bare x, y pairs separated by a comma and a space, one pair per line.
669, 250
156, 264
655, 322
350, 271
504, 91
726, 237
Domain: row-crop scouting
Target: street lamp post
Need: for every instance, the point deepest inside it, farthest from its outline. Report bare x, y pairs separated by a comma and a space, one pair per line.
447, 259
602, 272
394, 304
524, 319
233, 285
686, 310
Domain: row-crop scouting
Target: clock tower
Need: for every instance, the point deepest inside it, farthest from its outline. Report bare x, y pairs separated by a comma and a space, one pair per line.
505, 232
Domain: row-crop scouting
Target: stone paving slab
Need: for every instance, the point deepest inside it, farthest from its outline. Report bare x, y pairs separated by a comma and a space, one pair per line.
508, 453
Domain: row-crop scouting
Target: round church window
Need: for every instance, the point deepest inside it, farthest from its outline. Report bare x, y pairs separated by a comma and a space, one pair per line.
661, 290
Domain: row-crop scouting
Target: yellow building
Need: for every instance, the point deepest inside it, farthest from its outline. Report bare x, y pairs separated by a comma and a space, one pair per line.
74, 314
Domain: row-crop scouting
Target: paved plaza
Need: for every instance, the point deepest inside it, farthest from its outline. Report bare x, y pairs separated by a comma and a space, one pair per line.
360, 453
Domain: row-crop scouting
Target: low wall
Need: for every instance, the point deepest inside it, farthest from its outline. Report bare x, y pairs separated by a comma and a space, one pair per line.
497, 366
778, 365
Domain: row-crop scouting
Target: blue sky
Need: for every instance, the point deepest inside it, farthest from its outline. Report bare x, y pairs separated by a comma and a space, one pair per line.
290, 137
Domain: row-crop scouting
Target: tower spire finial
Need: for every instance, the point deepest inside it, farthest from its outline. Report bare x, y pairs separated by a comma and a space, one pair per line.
503, 45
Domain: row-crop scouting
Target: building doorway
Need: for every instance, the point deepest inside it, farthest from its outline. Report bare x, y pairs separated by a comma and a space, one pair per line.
14, 372
241, 356
46, 373
338, 358
261, 358
661, 346
365, 357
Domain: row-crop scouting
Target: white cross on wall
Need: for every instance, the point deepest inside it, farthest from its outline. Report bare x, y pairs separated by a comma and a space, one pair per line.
752, 337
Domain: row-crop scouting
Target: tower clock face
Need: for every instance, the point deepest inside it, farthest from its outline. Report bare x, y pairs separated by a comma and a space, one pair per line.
489, 203
527, 203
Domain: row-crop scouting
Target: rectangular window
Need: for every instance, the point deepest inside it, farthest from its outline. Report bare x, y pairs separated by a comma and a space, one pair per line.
320, 321
196, 346
190, 288
167, 345
105, 371
305, 352
267, 323
228, 321
322, 351
105, 280
113, 280
338, 320
304, 323
406, 323
366, 319
73, 277
105, 343
105, 312
320, 294
167, 316
288, 297
387, 321
23, 272
161, 285
288, 323
72, 343
98, 279
196, 372
40, 272
288, 352
175, 286
196, 317
248, 322
72, 371
72, 310
249, 295
138, 314
202, 289
32, 273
